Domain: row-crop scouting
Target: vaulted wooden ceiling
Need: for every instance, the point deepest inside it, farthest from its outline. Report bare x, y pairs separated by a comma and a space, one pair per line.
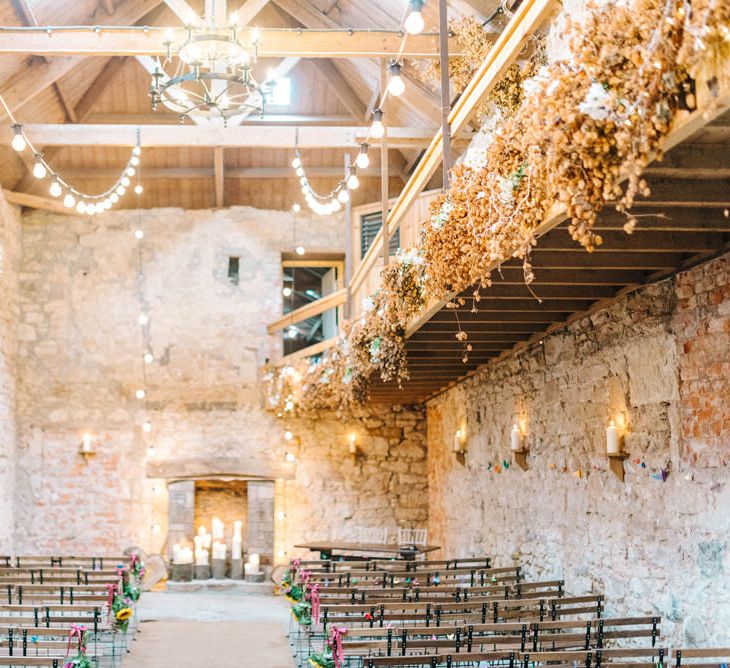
80, 89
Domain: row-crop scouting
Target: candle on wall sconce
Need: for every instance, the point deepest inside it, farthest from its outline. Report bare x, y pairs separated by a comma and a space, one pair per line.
615, 445
517, 444
516, 438
86, 448
290, 457
460, 441
353, 444
613, 440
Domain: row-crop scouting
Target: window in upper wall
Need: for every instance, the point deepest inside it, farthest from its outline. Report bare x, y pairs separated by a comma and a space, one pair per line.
280, 95
370, 224
304, 284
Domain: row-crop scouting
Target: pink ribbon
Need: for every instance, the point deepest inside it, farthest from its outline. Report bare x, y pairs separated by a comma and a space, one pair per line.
76, 631
295, 565
111, 592
305, 577
336, 644
314, 599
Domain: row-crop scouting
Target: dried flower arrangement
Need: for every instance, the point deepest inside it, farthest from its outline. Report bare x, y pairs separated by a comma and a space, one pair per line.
586, 125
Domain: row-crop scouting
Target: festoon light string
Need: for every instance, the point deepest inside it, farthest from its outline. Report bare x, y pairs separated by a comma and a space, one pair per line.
326, 204
73, 197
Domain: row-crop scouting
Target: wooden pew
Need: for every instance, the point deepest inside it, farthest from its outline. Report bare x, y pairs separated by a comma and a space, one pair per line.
698, 657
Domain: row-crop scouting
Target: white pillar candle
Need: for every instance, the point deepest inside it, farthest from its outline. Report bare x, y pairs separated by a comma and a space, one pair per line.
217, 529
237, 528
255, 562
516, 442
86, 443
185, 556
219, 550
353, 444
236, 547
458, 441
201, 557
175, 554
613, 445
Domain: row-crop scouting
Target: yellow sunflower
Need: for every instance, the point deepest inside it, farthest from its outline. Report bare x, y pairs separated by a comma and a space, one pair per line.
123, 614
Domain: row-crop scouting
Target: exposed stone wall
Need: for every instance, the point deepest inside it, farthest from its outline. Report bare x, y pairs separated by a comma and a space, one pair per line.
661, 357
80, 359
225, 499
9, 265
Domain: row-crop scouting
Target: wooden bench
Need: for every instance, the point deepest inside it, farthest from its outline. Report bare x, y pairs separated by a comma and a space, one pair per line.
698, 657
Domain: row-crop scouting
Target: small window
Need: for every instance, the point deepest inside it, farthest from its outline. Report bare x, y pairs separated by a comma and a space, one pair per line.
370, 225
281, 92
233, 263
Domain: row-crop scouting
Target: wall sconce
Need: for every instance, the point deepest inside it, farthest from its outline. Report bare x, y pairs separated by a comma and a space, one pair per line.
517, 444
86, 447
290, 458
460, 441
615, 445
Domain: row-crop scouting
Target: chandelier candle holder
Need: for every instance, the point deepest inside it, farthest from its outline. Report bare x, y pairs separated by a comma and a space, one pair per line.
209, 74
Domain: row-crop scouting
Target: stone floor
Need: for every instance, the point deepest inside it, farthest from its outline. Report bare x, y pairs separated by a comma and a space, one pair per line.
221, 629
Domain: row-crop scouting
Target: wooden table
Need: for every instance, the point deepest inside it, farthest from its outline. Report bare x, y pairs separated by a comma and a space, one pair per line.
407, 552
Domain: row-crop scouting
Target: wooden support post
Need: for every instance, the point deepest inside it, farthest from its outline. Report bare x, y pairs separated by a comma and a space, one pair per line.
384, 189
218, 169
348, 248
445, 90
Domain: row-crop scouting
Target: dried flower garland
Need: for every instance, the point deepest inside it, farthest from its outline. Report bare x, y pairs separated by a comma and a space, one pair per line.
584, 124
476, 43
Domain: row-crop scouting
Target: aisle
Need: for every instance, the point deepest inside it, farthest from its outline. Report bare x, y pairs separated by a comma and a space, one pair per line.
221, 629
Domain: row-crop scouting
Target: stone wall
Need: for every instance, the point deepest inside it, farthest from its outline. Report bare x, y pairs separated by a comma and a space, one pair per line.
9, 261
659, 358
80, 362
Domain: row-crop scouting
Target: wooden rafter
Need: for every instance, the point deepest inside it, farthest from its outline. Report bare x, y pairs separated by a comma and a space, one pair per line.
341, 88
188, 135
248, 10
219, 176
339, 43
183, 11
230, 173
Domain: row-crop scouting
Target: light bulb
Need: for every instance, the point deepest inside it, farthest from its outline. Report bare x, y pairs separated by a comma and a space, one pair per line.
287, 291
396, 85
55, 188
18, 142
335, 205
136, 150
299, 171
107, 203
296, 207
143, 319
290, 457
305, 190
39, 169
149, 358
113, 198
353, 183
363, 160
140, 394
125, 181
121, 190
303, 180
139, 234
414, 23
131, 171
296, 163
138, 189
343, 196
69, 200
288, 435
81, 206
377, 129
299, 250
134, 160
147, 427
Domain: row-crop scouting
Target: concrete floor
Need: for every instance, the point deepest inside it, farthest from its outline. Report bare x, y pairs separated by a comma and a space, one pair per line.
221, 629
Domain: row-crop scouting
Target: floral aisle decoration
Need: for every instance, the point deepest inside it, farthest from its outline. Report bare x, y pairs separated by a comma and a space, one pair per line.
77, 636
586, 127
119, 607
136, 567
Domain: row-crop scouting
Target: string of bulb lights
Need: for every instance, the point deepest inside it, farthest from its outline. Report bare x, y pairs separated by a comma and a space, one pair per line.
327, 204
59, 187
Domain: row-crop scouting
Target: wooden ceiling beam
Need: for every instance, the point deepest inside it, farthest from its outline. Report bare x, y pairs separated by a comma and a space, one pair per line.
274, 43
641, 241
35, 75
148, 173
36, 202
248, 10
185, 135
152, 118
183, 11
579, 259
